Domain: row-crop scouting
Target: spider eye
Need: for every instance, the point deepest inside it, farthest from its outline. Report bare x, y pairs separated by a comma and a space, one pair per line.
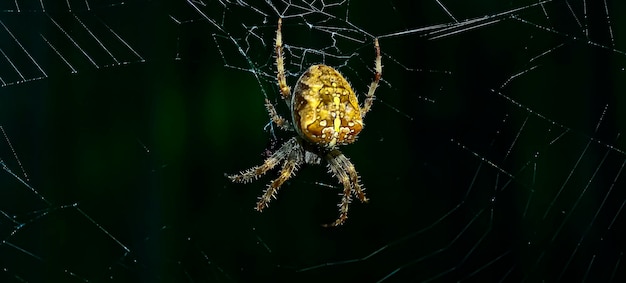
325, 110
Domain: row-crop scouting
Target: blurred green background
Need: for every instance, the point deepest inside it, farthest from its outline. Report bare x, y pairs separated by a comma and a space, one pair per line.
474, 173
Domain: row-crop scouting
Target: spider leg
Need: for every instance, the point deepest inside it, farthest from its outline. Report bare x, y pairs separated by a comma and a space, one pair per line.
269, 163
289, 168
285, 90
355, 179
335, 167
277, 119
369, 97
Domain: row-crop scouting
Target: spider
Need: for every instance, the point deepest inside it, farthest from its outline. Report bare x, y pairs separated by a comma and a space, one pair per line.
325, 113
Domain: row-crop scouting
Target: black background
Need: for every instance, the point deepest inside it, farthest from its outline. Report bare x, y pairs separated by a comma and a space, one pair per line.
474, 173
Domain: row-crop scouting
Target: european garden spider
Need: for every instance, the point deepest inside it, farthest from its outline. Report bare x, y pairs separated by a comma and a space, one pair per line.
325, 114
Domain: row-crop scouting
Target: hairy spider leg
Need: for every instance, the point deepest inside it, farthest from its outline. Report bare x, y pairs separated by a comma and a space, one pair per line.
369, 97
277, 119
285, 90
355, 179
336, 169
289, 168
296, 151
271, 162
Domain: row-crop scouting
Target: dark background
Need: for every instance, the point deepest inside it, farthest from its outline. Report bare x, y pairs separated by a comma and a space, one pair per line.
475, 173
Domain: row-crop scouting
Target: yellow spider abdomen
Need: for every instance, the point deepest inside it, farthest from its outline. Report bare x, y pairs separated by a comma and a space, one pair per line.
324, 108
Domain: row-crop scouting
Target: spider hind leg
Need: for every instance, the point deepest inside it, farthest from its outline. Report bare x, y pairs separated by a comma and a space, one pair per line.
378, 67
285, 90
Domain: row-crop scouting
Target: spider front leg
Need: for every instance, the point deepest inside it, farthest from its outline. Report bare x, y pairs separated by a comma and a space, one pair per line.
288, 169
269, 163
342, 168
355, 180
369, 97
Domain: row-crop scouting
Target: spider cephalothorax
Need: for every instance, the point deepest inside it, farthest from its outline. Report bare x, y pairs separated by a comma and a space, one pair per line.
325, 113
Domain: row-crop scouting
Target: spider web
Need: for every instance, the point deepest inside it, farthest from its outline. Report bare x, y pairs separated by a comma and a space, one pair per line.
493, 151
